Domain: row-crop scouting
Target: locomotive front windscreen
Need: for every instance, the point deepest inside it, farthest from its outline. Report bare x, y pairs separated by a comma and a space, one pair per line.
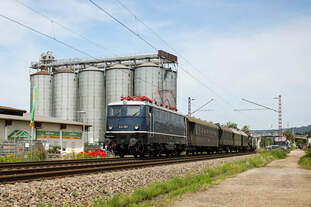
115, 111
124, 111
126, 118
133, 110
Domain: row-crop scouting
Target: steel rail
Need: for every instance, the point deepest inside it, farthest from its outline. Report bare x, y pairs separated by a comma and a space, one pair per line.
57, 162
25, 175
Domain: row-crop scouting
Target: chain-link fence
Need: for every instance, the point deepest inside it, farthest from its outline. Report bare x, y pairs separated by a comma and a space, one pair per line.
20, 148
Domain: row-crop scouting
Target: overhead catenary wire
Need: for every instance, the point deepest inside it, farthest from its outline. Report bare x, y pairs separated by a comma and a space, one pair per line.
143, 23
48, 36
124, 25
53, 21
176, 52
147, 42
62, 42
59, 41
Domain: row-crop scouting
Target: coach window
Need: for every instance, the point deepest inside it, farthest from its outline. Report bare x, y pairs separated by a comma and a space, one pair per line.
163, 115
156, 114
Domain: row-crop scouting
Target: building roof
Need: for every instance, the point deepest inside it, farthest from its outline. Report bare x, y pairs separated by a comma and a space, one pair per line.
42, 119
65, 71
42, 72
202, 122
11, 111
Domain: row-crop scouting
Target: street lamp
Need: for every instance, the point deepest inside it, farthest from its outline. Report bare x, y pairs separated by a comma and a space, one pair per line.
83, 129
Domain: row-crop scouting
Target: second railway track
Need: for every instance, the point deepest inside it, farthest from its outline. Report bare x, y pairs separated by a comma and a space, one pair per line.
24, 172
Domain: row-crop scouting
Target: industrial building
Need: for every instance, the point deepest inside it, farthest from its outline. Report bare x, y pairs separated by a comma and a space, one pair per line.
14, 127
79, 90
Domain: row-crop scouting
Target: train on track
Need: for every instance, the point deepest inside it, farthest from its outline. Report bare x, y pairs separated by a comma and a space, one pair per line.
141, 128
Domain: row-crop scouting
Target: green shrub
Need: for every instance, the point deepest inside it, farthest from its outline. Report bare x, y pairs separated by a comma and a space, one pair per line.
8, 158
178, 186
36, 155
54, 149
305, 161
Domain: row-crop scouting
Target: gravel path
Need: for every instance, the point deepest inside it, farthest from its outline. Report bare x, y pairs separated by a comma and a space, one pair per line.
281, 183
83, 189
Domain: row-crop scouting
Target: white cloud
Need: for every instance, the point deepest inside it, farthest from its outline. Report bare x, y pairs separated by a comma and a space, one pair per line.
259, 65
255, 64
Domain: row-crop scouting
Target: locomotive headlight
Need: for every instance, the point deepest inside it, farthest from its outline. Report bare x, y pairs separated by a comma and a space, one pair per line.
136, 127
110, 127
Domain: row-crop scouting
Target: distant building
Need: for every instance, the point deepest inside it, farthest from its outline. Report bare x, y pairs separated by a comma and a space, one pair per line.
293, 130
14, 126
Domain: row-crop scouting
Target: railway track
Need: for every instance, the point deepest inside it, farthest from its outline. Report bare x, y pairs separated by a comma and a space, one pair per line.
28, 171
9, 165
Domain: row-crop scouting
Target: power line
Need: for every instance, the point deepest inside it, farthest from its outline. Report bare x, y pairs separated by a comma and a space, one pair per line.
62, 25
124, 25
81, 51
143, 23
176, 52
61, 42
48, 36
136, 34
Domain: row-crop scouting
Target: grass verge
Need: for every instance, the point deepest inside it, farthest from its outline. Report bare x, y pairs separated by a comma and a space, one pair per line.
179, 186
305, 161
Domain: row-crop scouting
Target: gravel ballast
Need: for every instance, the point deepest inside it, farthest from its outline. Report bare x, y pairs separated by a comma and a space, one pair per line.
82, 190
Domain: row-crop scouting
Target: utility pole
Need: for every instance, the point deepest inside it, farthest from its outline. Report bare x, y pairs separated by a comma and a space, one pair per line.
280, 115
279, 111
189, 106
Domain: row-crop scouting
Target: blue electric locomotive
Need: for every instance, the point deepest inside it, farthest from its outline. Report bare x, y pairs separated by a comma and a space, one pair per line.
140, 128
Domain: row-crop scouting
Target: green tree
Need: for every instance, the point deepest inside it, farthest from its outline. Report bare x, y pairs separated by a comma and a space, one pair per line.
232, 125
245, 129
289, 135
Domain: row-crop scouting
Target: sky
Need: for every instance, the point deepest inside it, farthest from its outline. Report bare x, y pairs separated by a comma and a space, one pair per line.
233, 49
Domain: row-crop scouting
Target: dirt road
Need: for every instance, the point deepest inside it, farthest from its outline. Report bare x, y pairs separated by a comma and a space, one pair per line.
281, 183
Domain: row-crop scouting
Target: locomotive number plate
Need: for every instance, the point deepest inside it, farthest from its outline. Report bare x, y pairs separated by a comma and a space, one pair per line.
123, 126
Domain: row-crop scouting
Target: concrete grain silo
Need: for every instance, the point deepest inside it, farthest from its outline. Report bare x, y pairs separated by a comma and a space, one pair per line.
65, 95
119, 82
92, 102
43, 82
169, 87
148, 81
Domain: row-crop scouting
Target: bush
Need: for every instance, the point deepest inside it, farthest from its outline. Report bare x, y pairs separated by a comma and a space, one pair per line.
9, 158
305, 161
54, 149
178, 186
